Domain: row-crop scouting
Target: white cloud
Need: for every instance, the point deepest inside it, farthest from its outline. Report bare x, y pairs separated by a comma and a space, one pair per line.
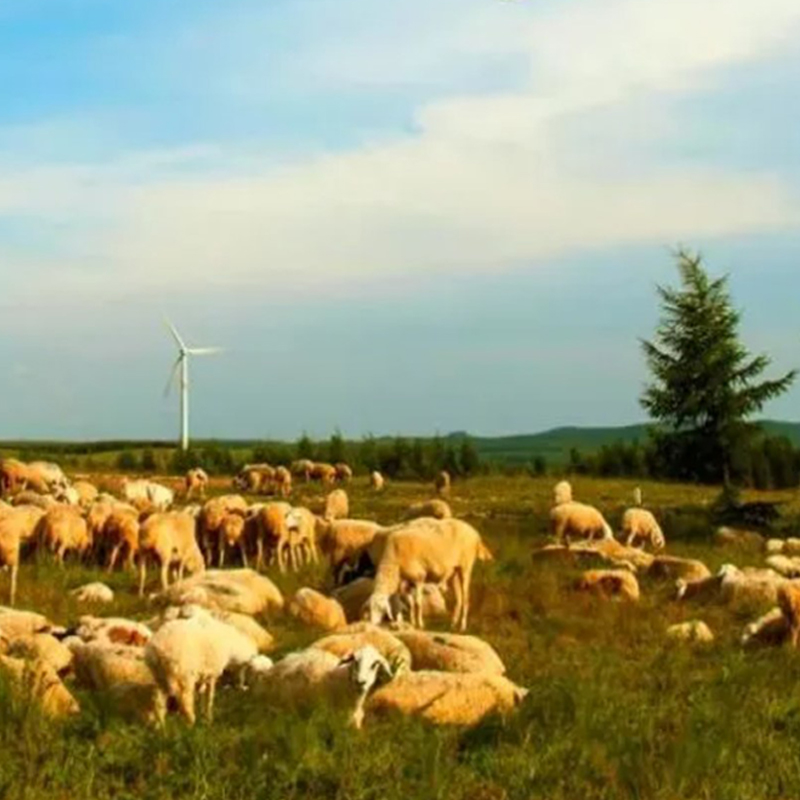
484, 181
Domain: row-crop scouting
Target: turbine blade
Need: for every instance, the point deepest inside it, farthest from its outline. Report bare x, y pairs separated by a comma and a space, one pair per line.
173, 375
204, 351
175, 335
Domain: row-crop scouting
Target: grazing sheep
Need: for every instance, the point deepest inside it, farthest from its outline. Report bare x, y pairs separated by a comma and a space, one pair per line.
337, 505
316, 610
254, 478
302, 527
343, 541
307, 677
738, 537
15, 476
211, 519
36, 681
789, 604
241, 591
672, 568
324, 473
302, 468
282, 480
448, 652
146, 493
120, 534
232, 534
445, 698
63, 529
343, 472
562, 493
93, 593
695, 631
272, 533
610, 583
49, 474
438, 551
438, 509
86, 492
639, 525
442, 483
353, 598
27, 519
354, 637
189, 655
578, 520
377, 481
169, 538
196, 483
770, 630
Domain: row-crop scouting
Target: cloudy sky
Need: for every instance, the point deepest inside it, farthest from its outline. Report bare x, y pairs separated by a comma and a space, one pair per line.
394, 216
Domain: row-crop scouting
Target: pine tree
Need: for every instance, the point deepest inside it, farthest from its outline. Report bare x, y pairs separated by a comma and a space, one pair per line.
704, 388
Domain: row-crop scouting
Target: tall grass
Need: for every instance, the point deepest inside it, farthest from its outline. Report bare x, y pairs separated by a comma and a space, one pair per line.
614, 711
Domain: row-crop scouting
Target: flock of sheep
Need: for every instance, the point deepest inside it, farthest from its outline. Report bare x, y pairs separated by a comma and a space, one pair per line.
206, 626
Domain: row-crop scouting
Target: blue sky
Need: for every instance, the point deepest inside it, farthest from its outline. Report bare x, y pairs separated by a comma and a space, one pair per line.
394, 217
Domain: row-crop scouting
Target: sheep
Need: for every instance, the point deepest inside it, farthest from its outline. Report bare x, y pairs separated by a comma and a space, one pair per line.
302, 468
243, 623
337, 505
608, 583
302, 527
28, 518
562, 493
791, 547
272, 532
324, 473
749, 586
86, 492
445, 698
15, 623
316, 610
169, 537
242, 591
10, 538
640, 525
770, 630
147, 493
672, 568
774, 547
695, 631
27, 498
36, 681
211, 518
787, 566
353, 598
447, 652
254, 478
578, 520
343, 540
738, 537
282, 482
190, 655
48, 473
111, 631
428, 550
120, 533
607, 551
442, 483
15, 476
196, 482
232, 534
377, 481
41, 646
344, 474
438, 509
93, 593
789, 604
62, 529
306, 677
354, 637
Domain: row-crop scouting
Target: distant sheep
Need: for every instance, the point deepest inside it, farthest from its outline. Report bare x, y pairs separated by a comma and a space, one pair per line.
640, 526
442, 483
196, 482
377, 481
343, 472
610, 583
62, 529
282, 481
577, 520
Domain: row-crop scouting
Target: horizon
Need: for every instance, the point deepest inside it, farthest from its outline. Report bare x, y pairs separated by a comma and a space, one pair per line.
424, 217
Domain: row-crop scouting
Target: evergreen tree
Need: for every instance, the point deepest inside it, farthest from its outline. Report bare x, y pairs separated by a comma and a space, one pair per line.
336, 448
305, 447
468, 457
705, 382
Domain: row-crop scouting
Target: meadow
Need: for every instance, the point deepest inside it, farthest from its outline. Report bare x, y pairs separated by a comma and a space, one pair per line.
614, 710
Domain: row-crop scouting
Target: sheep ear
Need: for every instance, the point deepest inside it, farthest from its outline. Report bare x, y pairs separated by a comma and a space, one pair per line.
349, 659
384, 664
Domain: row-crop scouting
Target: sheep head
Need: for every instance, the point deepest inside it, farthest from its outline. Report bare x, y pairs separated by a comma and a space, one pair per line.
378, 608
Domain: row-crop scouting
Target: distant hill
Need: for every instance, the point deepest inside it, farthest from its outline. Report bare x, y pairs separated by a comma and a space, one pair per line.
555, 445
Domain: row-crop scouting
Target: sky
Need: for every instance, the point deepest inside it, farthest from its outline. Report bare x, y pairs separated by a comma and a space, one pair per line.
412, 217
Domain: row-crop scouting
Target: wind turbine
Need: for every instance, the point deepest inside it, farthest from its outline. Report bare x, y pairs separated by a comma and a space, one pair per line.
182, 366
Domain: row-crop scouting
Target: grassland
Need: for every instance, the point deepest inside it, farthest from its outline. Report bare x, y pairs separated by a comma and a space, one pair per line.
613, 711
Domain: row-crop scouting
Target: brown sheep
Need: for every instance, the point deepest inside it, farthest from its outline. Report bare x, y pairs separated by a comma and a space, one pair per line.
211, 518
10, 527
324, 473
273, 534
86, 492
232, 534
282, 481
302, 468
343, 541
169, 537
121, 534
608, 583
62, 529
343, 472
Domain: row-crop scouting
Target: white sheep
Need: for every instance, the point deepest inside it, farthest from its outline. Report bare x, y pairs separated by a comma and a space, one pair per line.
437, 551
639, 525
377, 481
93, 593
302, 527
189, 655
568, 520
337, 505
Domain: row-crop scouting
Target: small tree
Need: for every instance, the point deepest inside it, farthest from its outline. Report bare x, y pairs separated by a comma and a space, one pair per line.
704, 388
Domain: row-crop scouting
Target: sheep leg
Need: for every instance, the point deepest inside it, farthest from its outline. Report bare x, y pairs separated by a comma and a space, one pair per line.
210, 691
313, 550
112, 559
185, 698
142, 573
13, 590
221, 555
244, 553
417, 594
458, 594
466, 578
259, 554
281, 556
165, 573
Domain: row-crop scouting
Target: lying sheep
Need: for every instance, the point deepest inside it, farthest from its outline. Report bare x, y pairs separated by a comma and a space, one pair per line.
788, 566
169, 538
448, 652
355, 637
337, 505
749, 586
673, 568
93, 593
577, 520
243, 623
639, 525
445, 698
36, 681
40, 647
438, 509
694, 631
112, 631
189, 655
437, 551
15, 623
316, 610
562, 493
610, 583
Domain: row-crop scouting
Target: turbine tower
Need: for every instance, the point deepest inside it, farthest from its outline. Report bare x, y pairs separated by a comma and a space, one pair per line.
182, 367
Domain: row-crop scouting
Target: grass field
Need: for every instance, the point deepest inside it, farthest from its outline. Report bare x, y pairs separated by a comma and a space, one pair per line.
614, 711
